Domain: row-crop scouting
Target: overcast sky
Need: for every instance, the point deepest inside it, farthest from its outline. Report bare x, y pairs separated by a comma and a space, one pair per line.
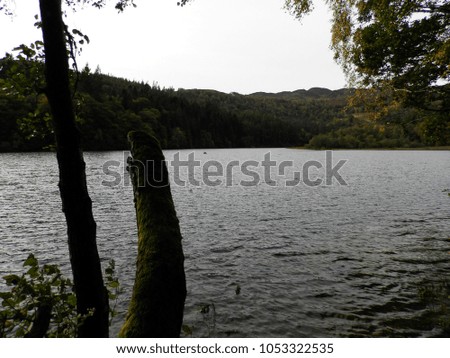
240, 46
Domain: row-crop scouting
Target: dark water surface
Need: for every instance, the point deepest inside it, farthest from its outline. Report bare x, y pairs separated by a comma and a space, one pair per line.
330, 260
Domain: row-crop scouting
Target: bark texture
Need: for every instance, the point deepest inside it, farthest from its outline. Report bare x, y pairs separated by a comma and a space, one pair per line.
77, 206
157, 303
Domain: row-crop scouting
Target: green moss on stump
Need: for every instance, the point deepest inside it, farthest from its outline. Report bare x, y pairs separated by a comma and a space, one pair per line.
157, 302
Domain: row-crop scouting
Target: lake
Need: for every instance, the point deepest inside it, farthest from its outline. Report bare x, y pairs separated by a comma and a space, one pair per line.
279, 250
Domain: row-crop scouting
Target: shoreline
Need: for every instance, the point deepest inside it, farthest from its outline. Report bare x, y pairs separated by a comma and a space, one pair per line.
437, 148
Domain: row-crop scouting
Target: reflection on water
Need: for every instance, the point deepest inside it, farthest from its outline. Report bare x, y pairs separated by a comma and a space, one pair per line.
309, 261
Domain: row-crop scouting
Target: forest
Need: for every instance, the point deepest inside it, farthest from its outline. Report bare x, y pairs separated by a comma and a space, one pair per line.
107, 108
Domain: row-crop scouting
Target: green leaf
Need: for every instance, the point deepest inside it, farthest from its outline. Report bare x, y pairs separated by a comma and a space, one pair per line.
8, 303
5, 295
51, 270
33, 272
114, 284
11, 279
72, 300
30, 261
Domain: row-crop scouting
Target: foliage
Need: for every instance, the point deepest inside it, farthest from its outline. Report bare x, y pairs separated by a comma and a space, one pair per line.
298, 8
120, 5
108, 108
36, 287
23, 79
360, 136
406, 41
45, 286
114, 289
402, 46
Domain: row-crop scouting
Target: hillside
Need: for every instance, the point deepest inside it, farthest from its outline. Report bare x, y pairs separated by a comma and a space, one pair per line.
108, 107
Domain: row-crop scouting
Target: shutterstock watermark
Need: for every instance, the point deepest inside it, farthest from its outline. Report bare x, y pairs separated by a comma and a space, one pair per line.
191, 171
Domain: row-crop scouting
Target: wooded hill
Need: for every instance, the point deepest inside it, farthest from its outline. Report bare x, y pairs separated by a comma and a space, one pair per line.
108, 108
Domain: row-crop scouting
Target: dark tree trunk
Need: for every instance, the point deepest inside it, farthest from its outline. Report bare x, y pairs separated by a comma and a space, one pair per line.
41, 323
77, 205
157, 303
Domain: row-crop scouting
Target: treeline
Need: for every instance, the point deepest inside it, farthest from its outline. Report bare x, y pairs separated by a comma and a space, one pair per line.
108, 108
199, 118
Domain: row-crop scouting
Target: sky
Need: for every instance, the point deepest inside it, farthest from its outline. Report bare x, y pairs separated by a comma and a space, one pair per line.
242, 46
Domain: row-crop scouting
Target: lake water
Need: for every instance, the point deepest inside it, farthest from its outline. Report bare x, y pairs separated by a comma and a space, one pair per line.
267, 260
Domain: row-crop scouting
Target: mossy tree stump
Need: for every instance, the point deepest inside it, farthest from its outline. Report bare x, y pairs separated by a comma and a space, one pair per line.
157, 302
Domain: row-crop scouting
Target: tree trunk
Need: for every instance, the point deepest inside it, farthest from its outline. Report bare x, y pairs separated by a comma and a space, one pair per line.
77, 205
157, 303
41, 322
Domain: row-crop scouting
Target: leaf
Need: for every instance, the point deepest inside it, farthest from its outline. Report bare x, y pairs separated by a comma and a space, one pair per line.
8, 303
72, 300
30, 261
51, 270
11, 279
114, 284
33, 272
20, 332
5, 295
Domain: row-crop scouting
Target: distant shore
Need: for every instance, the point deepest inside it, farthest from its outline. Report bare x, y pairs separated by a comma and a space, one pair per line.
437, 148
443, 147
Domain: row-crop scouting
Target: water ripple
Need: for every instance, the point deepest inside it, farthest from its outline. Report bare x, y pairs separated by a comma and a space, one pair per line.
309, 262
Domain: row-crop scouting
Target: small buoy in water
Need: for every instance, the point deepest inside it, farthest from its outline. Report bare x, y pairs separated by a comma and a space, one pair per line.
205, 153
